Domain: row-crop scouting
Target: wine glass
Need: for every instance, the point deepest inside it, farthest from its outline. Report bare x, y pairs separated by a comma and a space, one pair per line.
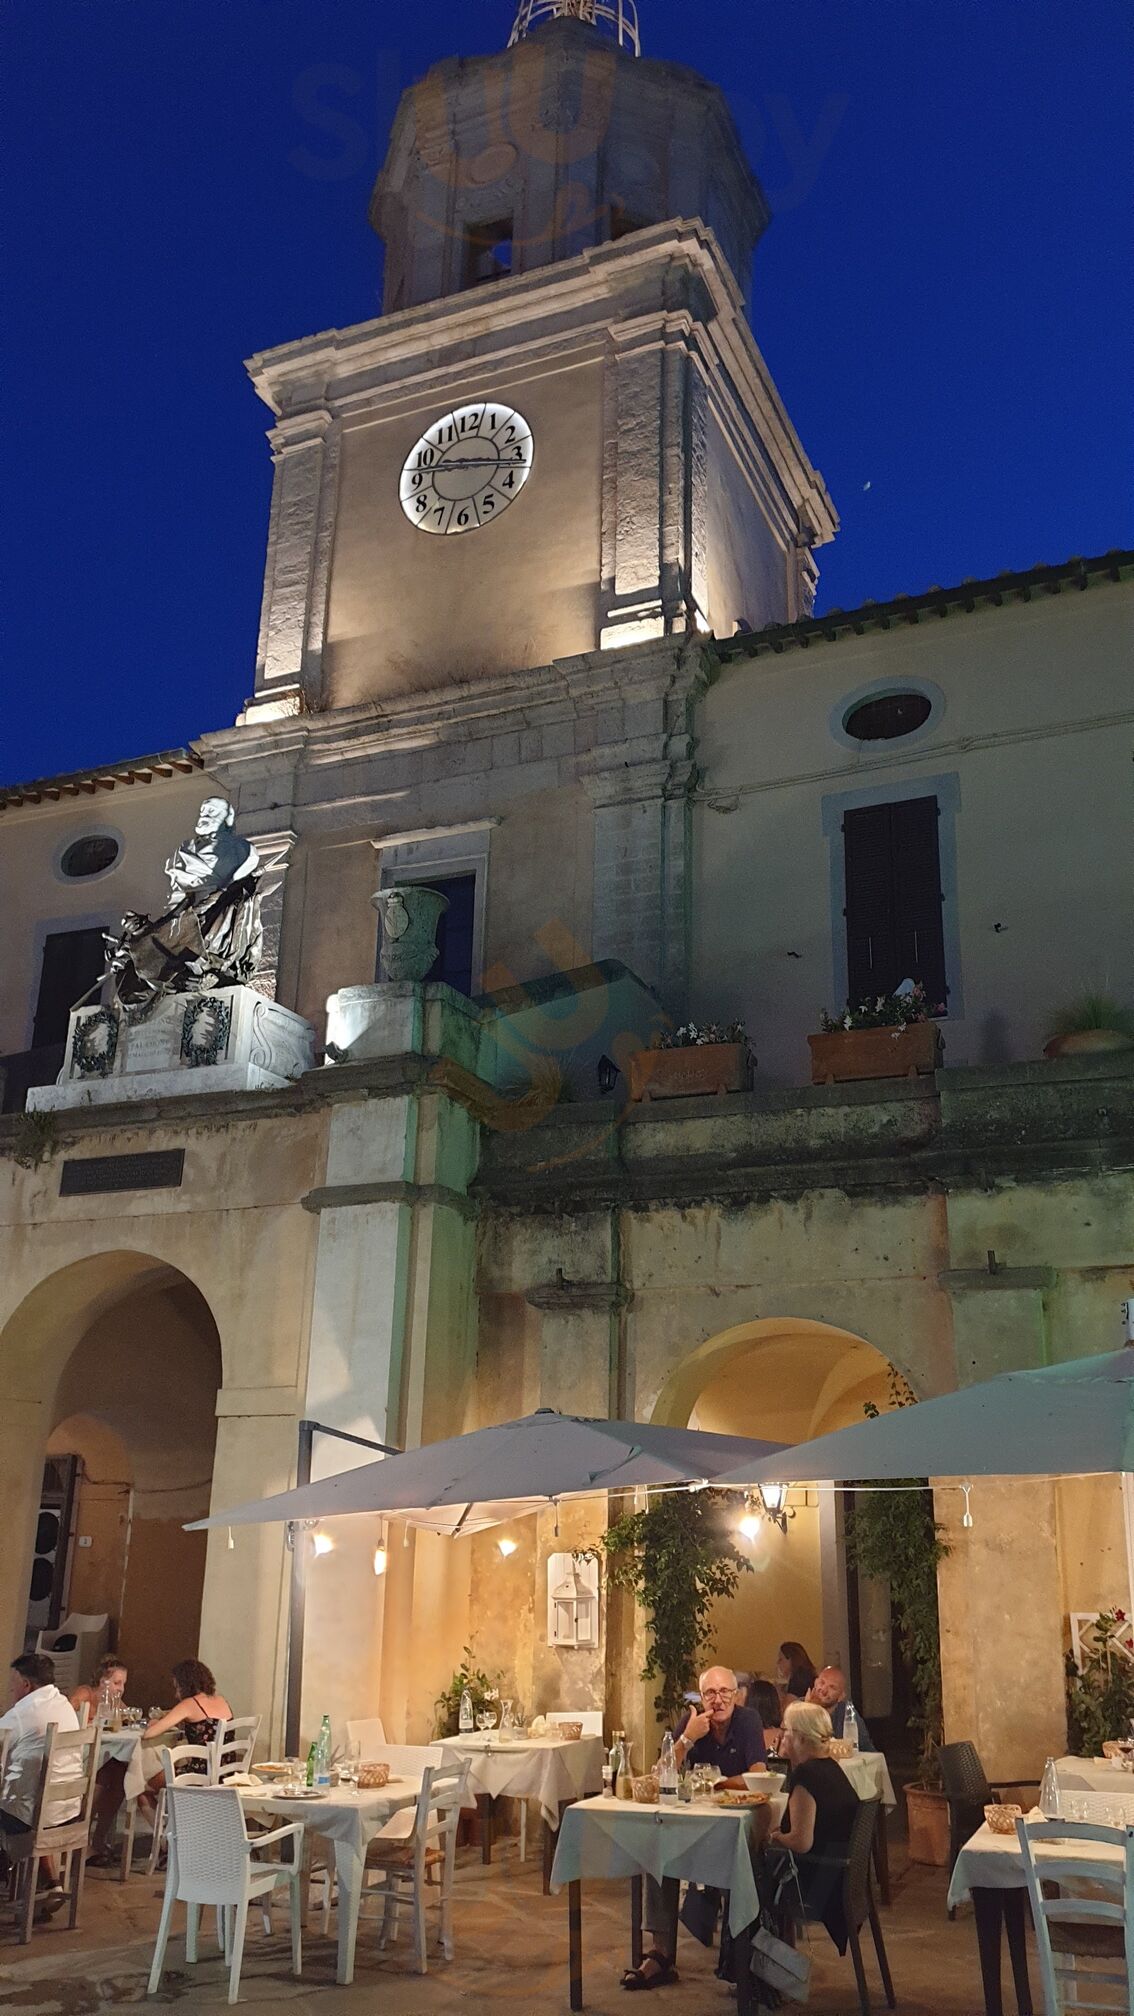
350, 1763
486, 1723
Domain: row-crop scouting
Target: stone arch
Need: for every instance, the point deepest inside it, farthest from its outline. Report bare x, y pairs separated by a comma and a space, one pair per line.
787, 1379
115, 1360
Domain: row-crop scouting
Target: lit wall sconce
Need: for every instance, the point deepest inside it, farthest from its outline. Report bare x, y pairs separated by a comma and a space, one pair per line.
751, 1525
507, 1547
381, 1560
773, 1499
322, 1543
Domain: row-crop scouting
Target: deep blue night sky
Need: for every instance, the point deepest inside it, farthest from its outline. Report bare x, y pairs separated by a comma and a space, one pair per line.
944, 299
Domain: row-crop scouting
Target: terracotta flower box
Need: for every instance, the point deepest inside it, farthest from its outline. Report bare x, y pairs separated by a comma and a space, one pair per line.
697, 1068
875, 1053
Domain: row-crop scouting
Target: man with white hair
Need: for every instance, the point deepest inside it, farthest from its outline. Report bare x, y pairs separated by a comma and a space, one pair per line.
719, 1732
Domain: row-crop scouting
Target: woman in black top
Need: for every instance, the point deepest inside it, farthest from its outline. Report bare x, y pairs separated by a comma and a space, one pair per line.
795, 1669
821, 1809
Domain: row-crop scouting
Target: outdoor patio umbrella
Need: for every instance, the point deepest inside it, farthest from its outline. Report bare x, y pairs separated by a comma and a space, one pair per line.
476, 1480
1074, 1419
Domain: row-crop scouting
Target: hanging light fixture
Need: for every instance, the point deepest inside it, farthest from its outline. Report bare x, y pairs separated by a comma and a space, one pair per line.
752, 1522
322, 1543
507, 1547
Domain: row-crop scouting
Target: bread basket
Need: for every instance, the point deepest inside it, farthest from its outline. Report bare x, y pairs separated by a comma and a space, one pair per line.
372, 1777
568, 1732
645, 1789
1002, 1819
838, 1748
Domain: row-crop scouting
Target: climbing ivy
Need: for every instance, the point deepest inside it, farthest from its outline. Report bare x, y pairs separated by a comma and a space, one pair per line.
678, 1559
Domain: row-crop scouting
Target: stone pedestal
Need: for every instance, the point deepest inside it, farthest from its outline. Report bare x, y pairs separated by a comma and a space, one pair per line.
229, 1040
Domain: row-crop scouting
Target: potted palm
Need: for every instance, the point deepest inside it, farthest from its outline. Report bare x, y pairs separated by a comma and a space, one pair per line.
697, 1057
892, 1036
1092, 1023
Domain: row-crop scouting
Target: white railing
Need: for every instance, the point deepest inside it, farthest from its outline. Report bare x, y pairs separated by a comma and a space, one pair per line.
617, 17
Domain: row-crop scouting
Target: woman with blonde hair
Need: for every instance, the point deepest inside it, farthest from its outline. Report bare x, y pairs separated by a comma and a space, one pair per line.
821, 1809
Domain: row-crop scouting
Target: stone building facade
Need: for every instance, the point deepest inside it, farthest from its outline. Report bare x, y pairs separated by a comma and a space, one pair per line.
611, 728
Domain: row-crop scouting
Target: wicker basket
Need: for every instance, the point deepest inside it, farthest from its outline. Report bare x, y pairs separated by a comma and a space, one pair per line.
372, 1777
645, 1789
837, 1747
569, 1732
1002, 1819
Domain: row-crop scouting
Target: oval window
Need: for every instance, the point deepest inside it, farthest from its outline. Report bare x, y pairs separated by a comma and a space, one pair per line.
887, 716
91, 855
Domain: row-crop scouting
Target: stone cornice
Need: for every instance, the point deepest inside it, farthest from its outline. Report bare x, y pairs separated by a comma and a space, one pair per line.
346, 1196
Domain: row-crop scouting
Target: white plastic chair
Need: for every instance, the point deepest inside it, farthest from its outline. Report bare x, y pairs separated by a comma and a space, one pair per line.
211, 1861
406, 1760
400, 1867
234, 1743
1080, 1929
591, 1719
184, 1760
366, 1734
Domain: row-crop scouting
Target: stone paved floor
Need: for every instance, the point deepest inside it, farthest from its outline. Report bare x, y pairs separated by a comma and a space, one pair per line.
511, 1955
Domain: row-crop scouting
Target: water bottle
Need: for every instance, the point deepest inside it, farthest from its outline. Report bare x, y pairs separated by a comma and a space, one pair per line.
1049, 1799
109, 1706
850, 1726
669, 1778
611, 1763
323, 1755
624, 1785
465, 1718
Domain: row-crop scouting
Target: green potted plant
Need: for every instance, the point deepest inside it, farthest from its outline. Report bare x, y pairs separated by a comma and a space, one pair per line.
677, 1558
696, 1057
891, 1036
1100, 1693
894, 1535
448, 1704
1093, 1023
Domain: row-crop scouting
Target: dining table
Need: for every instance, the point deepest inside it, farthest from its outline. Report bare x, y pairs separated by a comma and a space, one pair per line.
348, 1817
124, 1746
990, 1871
690, 1841
552, 1771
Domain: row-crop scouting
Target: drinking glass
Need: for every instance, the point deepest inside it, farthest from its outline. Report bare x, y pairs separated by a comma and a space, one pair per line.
486, 1722
296, 1778
507, 1721
349, 1764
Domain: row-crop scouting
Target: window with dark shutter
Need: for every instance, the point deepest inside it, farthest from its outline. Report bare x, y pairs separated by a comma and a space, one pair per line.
72, 962
893, 899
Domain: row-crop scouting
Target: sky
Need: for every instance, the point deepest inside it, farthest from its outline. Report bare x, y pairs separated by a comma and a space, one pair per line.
944, 298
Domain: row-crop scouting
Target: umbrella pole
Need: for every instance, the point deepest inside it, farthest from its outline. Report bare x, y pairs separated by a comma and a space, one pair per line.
1128, 1526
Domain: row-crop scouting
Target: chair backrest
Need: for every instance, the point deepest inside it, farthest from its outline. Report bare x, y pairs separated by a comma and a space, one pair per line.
443, 1789
591, 1718
366, 1733
184, 1760
206, 1823
856, 1883
83, 1711
1084, 1928
406, 1758
233, 1745
65, 1794
962, 1775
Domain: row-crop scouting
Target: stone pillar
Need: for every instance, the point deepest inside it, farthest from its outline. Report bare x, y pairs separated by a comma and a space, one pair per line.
305, 452
657, 426
245, 1597
24, 1425
642, 866
1000, 1589
274, 850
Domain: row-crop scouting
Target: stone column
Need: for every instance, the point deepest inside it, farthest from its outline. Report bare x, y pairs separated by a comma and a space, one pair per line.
245, 1596
274, 850
305, 452
642, 866
24, 1426
1000, 1588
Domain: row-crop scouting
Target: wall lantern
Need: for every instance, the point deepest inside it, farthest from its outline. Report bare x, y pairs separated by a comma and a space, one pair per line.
572, 1601
773, 1501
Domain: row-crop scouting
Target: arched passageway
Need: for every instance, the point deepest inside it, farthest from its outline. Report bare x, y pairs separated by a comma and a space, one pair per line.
123, 1354
787, 1380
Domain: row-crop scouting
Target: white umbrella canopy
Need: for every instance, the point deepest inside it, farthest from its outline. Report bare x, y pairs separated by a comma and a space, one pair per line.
492, 1474
1067, 1420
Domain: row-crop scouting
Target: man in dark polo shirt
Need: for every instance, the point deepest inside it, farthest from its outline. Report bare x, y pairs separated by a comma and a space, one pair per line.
717, 1733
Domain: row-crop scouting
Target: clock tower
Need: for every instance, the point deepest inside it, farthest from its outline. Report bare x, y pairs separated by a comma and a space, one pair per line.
559, 437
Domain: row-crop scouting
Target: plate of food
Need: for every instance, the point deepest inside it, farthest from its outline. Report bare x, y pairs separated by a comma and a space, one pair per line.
731, 1798
276, 1769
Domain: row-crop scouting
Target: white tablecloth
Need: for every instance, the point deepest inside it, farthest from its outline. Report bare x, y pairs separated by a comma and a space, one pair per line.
349, 1820
870, 1776
991, 1861
124, 1746
699, 1843
1093, 1774
538, 1768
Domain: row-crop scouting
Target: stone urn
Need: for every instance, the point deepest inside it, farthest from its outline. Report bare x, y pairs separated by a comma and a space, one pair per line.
410, 913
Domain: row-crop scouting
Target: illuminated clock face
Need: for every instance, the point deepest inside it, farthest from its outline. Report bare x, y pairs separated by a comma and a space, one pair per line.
467, 468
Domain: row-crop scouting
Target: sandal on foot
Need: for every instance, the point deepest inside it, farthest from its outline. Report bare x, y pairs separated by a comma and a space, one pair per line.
635, 1978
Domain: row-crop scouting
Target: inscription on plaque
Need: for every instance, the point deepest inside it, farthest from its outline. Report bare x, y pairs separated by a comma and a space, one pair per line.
159, 1169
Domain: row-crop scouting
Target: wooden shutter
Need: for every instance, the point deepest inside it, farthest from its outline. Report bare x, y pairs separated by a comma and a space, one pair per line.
893, 899
72, 962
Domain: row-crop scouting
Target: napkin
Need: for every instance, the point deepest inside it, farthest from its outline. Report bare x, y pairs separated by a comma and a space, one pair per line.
538, 1725
243, 1780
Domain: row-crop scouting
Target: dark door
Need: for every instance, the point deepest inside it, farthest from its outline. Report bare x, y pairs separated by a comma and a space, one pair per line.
72, 962
893, 899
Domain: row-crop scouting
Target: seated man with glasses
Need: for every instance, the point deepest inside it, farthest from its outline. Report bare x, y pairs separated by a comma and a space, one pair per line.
723, 1733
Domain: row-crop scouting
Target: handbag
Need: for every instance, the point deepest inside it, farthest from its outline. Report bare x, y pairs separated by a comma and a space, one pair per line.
783, 1967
